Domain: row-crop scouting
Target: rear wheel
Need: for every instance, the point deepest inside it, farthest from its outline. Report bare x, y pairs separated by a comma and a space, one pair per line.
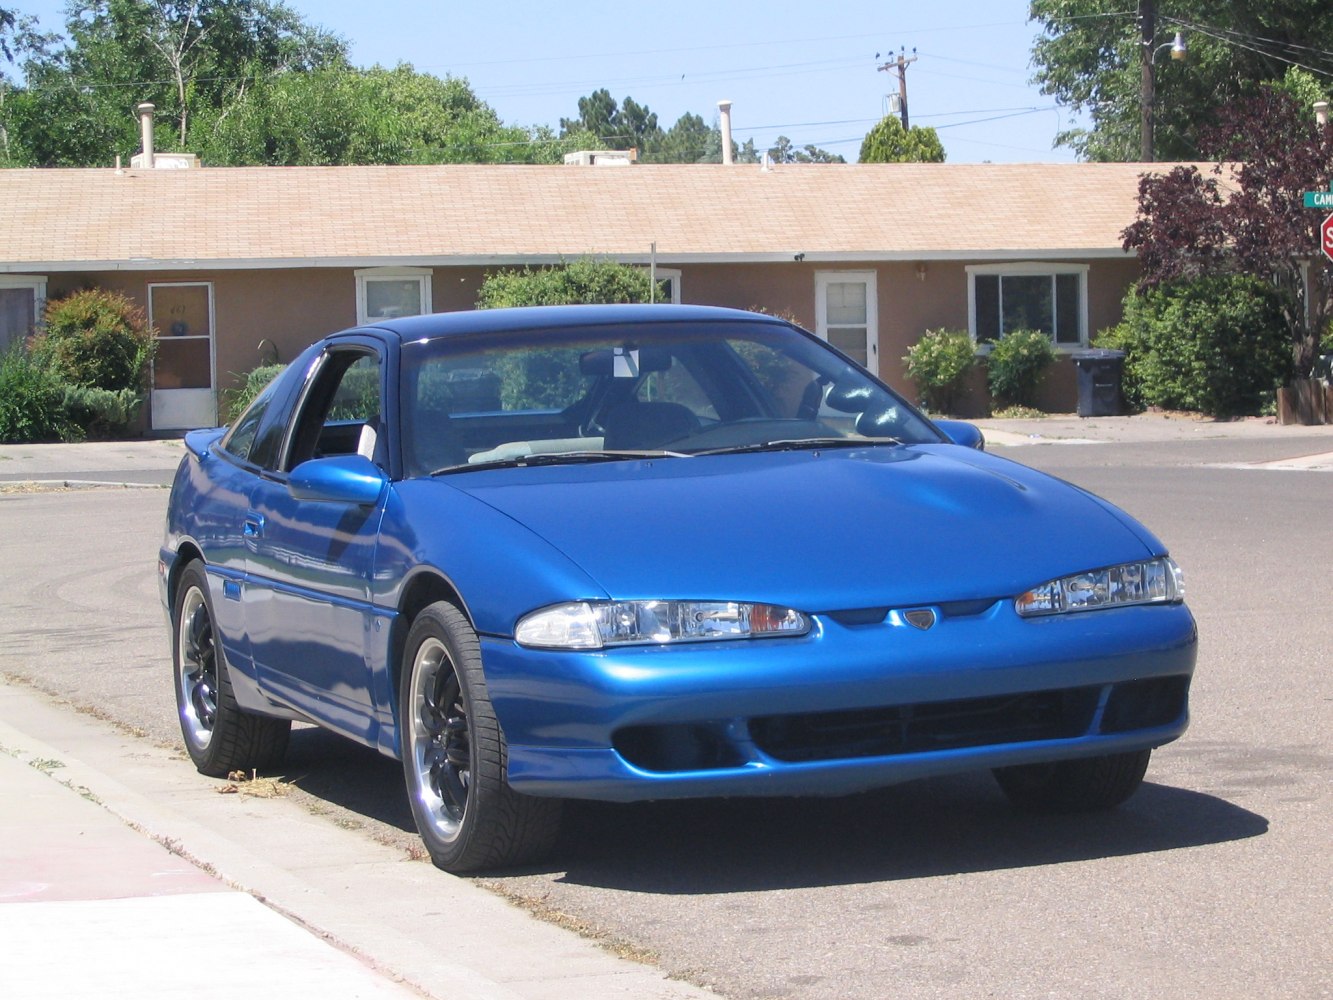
1087, 784
219, 735
454, 755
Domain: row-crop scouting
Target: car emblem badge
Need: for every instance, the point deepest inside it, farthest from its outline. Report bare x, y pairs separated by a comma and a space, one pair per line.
922, 618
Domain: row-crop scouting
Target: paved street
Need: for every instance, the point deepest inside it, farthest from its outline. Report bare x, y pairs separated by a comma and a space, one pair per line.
1212, 881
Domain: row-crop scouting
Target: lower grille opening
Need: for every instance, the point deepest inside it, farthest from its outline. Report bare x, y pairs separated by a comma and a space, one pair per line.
943, 725
696, 746
1145, 704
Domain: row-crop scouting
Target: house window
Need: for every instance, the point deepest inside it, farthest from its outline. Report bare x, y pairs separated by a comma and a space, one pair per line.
392, 292
1050, 298
22, 300
670, 278
846, 314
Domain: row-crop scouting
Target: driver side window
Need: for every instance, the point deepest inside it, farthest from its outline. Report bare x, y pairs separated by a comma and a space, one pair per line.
341, 410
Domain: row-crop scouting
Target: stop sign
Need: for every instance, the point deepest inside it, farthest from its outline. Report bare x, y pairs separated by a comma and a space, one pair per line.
1326, 236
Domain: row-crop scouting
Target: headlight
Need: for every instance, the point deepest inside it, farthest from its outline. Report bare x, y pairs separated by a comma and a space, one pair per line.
1157, 581
596, 624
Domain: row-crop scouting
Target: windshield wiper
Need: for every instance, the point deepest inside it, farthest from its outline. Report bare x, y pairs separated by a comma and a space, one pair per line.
798, 444
558, 458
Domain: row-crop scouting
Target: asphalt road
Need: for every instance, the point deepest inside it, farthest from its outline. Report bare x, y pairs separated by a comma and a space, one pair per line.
1213, 881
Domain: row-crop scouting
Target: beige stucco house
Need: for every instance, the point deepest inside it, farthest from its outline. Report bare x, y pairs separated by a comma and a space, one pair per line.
236, 266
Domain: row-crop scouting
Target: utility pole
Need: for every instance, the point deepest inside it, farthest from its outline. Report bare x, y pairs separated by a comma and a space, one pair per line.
1148, 32
901, 64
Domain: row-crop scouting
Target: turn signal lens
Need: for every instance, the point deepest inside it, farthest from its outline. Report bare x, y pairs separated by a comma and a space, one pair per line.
1157, 581
597, 624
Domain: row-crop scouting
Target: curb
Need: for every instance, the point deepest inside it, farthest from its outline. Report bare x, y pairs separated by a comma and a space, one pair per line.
441, 935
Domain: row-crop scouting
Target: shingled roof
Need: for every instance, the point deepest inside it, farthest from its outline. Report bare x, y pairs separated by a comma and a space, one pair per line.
216, 217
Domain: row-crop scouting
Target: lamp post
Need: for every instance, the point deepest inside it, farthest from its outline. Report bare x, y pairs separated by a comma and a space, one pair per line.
1148, 34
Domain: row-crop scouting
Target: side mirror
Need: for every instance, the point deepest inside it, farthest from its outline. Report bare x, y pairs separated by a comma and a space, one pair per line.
341, 479
960, 432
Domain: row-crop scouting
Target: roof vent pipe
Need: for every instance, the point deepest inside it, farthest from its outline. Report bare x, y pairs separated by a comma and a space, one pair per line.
724, 113
146, 130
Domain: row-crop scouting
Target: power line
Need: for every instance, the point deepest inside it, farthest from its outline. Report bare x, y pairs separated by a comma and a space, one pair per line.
1234, 38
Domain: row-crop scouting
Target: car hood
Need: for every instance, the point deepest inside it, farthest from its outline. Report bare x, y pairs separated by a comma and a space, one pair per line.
816, 530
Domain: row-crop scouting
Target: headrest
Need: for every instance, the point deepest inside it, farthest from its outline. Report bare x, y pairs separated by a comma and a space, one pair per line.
625, 362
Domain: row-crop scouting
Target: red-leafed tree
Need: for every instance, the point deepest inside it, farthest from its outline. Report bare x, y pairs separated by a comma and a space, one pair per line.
1246, 215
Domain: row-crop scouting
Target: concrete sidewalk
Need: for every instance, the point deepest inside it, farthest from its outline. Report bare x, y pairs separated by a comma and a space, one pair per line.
92, 463
255, 897
89, 906
1147, 428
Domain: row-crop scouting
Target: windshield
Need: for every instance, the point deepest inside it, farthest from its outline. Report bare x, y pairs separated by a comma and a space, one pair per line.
637, 390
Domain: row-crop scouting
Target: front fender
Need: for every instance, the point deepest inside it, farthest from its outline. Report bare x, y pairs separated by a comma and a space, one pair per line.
499, 568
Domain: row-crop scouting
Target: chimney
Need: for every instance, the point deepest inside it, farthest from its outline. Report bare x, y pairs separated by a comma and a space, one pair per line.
146, 130
724, 113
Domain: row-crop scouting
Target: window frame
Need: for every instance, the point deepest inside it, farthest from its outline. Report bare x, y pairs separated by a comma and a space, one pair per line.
673, 275
35, 283
303, 429
365, 276
1031, 269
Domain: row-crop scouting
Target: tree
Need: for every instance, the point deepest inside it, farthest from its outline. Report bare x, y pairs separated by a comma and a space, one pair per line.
242, 82
1090, 59
747, 152
350, 116
618, 126
1248, 219
784, 152
684, 142
6, 27
185, 56
889, 142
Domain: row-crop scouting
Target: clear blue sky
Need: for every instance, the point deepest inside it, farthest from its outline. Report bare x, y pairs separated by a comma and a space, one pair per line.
801, 68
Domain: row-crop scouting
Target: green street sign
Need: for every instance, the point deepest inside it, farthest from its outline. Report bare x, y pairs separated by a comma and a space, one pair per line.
1319, 199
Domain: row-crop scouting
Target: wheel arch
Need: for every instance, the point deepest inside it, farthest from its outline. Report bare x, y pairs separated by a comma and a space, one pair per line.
424, 589
186, 553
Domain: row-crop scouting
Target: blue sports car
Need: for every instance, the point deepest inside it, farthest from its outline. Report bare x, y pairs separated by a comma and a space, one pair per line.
646, 552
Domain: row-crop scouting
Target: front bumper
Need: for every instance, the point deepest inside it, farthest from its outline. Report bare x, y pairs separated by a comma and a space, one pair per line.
844, 709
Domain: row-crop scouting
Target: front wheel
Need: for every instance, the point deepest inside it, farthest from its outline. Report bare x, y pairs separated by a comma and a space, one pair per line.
1086, 784
454, 756
220, 736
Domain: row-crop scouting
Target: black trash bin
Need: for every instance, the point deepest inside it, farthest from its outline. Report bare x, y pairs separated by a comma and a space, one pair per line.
1099, 375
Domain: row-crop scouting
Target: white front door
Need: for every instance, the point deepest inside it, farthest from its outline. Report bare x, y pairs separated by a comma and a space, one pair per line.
846, 315
183, 395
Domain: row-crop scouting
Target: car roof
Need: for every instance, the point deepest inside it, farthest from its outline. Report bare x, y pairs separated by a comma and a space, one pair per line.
558, 317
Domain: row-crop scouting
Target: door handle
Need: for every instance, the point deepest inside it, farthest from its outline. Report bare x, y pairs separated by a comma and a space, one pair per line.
253, 526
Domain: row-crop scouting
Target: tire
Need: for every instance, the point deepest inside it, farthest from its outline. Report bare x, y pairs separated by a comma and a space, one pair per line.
219, 735
1087, 784
454, 756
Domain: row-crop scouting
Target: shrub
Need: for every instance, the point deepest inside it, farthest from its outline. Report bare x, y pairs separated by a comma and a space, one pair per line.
1217, 345
255, 381
97, 339
102, 413
938, 363
31, 401
586, 280
1016, 365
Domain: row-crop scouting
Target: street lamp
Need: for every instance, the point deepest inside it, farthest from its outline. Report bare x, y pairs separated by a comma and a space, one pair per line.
1148, 36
